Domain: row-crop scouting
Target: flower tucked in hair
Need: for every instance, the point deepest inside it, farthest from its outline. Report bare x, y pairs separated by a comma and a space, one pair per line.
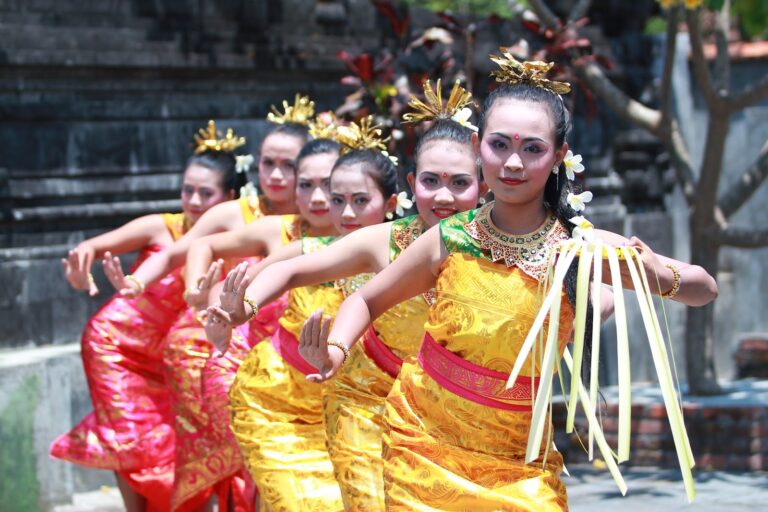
462, 117
300, 112
579, 201
250, 193
243, 163
584, 229
572, 164
403, 203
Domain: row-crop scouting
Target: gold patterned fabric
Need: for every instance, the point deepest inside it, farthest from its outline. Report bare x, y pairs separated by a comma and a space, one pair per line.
277, 416
353, 401
443, 451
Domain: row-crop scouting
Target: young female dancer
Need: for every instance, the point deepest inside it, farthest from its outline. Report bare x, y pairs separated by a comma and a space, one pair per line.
446, 181
131, 428
455, 439
276, 413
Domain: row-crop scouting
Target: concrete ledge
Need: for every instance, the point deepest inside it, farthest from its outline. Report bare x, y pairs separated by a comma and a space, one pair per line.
44, 395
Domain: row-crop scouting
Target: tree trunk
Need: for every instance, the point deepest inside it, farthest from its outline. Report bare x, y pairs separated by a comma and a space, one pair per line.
700, 322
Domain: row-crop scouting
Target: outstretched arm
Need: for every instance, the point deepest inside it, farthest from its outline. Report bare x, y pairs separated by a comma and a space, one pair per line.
412, 273
697, 287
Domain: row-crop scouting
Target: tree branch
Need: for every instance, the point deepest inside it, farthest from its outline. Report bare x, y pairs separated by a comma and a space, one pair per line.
579, 10
544, 13
749, 96
722, 70
681, 162
700, 70
744, 238
670, 47
740, 192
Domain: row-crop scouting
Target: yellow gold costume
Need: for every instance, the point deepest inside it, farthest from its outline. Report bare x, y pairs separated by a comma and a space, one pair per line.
277, 414
353, 402
448, 452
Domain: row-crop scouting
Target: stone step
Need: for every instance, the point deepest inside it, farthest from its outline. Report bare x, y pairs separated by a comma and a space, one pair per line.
31, 36
99, 211
40, 189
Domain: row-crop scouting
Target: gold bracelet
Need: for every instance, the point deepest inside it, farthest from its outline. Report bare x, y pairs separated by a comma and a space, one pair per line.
90, 278
675, 282
136, 281
340, 346
254, 308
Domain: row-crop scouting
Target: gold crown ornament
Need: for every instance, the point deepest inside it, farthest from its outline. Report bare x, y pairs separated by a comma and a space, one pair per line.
433, 108
529, 72
323, 126
365, 135
300, 112
210, 139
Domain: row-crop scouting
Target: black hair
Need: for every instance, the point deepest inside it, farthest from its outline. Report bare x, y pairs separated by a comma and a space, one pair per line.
376, 165
317, 147
292, 129
444, 130
223, 163
558, 185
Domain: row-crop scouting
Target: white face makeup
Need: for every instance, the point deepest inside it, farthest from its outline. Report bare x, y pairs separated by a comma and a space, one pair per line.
313, 188
200, 190
277, 167
356, 199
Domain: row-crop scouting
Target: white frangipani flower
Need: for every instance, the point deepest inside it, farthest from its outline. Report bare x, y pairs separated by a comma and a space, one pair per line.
392, 158
243, 163
579, 201
403, 203
584, 229
462, 117
572, 164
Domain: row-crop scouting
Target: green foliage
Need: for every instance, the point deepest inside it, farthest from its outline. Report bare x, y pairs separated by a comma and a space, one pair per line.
479, 8
753, 16
18, 474
656, 25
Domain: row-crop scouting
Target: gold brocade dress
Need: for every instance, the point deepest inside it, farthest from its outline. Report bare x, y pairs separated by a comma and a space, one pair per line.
353, 401
277, 414
443, 451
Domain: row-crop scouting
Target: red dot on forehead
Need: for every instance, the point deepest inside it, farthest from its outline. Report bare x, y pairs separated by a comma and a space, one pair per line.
517, 136
445, 175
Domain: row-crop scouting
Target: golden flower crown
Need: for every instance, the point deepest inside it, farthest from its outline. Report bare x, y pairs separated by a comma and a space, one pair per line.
529, 72
433, 108
365, 135
210, 139
300, 112
323, 126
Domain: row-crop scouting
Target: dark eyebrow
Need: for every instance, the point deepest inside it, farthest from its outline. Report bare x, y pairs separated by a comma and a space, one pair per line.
526, 139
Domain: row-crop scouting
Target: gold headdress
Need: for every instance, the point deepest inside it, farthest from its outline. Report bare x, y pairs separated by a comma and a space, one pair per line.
323, 126
361, 136
433, 108
300, 112
211, 140
515, 72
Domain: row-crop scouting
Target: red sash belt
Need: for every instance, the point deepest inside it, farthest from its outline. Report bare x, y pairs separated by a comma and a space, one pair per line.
384, 358
473, 382
286, 344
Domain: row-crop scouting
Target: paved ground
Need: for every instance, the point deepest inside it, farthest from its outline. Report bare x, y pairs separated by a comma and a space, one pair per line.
591, 490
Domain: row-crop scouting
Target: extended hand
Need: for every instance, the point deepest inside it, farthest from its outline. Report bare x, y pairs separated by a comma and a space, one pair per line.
233, 294
197, 296
77, 268
314, 348
652, 265
114, 272
218, 330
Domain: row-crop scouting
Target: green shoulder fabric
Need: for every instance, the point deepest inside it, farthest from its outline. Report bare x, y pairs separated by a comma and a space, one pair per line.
310, 244
456, 238
402, 233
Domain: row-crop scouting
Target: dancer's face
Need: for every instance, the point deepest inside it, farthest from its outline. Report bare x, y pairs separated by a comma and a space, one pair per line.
277, 167
313, 189
200, 190
356, 199
518, 150
446, 180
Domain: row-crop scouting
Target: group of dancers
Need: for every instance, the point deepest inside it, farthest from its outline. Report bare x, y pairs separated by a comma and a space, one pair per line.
304, 346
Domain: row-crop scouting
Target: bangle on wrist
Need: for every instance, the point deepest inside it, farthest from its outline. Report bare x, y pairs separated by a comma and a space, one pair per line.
135, 280
340, 346
188, 291
254, 308
675, 282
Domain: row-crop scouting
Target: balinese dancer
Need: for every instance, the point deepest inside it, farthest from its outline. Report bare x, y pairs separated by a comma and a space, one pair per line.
277, 414
446, 181
455, 438
131, 428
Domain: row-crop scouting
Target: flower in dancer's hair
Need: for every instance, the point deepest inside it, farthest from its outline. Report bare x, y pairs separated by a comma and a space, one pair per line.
250, 193
584, 229
579, 201
572, 164
462, 117
403, 203
392, 158
243, 163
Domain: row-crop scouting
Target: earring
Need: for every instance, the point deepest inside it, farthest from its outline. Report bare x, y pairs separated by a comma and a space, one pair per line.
479, 162
413, 198
389, 216
555, 169
481, 201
